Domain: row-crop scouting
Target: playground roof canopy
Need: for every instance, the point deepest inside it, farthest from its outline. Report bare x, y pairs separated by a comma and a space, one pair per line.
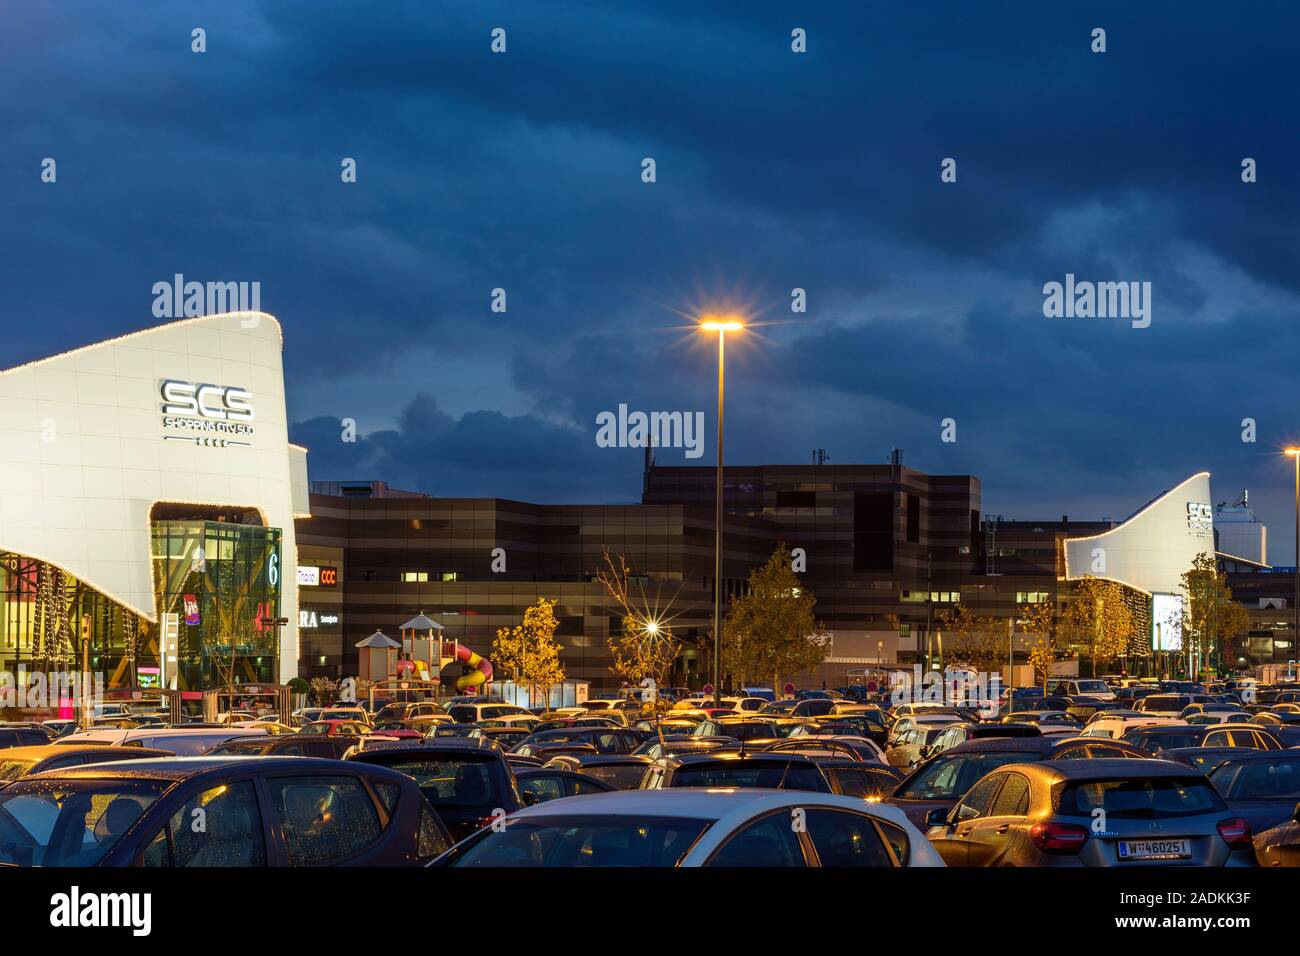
421, 623
378, 639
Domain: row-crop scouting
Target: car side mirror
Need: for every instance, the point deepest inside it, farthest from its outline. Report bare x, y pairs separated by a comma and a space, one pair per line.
529, 797
937, 818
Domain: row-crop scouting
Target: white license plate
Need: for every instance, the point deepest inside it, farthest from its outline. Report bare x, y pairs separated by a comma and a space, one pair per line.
1155, 849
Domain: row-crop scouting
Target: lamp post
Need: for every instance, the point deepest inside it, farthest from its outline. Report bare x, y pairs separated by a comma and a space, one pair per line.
1295, 637
722, 326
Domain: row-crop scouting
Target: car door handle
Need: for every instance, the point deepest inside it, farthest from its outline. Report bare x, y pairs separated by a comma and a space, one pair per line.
963, 831
1004, 828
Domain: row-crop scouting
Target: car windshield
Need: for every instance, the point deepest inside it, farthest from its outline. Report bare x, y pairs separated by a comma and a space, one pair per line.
1093, 687
948, 777
771, 776
454, 783
586, 841
1165, 740
69, 823
623, 776
1140, 799
1265, 779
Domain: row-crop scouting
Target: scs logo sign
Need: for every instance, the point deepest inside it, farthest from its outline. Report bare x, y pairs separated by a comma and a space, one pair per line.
217, 416
1200, 518
217, 402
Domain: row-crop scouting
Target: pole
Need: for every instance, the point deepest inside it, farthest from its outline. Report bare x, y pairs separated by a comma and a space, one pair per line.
929, 610
717, 538
1296, 636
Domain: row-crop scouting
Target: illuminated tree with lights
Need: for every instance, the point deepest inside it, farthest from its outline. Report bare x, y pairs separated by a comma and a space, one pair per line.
528, 652
644, 647
1210, 616
1101, 619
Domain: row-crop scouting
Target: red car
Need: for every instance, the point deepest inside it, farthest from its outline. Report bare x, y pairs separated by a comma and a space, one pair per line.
351, 728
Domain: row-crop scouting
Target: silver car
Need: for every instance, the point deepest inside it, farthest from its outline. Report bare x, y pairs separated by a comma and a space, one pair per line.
1109, 812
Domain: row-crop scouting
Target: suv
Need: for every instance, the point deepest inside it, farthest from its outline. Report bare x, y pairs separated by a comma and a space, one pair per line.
469, 785
1081, 687
472, 713
22, 735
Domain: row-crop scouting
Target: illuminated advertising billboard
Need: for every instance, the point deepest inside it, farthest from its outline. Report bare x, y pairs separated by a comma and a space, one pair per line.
1166, 622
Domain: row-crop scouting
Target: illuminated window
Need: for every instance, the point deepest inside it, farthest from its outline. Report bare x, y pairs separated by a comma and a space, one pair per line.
415, 577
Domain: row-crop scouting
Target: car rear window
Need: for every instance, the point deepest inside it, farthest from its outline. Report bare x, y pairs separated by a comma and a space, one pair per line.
1141, 798
623, 776
585, 841
1259, 779
11, 770
1164, 740
948, 777
455, 783
770, 776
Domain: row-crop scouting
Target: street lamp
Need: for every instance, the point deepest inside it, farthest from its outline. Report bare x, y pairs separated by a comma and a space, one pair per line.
722, 325
1295, 637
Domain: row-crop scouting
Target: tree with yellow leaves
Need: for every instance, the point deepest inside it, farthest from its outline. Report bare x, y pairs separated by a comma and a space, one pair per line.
1100, 618
1209, 616
644, 647
1039, 622
528, 652
973, 641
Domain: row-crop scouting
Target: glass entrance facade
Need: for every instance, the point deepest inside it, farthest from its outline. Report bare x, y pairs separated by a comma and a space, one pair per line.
223, 582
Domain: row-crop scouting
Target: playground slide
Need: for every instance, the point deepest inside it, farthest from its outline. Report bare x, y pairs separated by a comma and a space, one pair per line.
480, 676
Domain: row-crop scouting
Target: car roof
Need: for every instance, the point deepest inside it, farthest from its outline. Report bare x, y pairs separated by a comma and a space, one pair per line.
181, 768
700, 803
1249, 754
470, 748
41, 751
1029, 745
1107, 768
734, 756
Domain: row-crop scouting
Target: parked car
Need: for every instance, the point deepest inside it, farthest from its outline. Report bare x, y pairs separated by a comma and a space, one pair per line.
1155, 812
856, 778
752, 769
850, 747
941, 782
606, 740
687, 827
1157, 738
737, 728
542, 784
1079, 686
472, 713
679, 744
336, 727
188, 741
272, 811
1280, 845
22, 735
1205, 759
325, 746
1263, 786
466, 783
619, 771
1246, 736
19, 762
506, 736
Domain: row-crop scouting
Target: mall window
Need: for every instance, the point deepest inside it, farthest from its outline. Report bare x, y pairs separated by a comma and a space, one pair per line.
415, 577
1033, 597
796, 499
873, 531
447, 577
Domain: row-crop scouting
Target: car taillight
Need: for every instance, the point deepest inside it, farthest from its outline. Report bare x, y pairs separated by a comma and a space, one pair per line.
1235, 833
1058, 837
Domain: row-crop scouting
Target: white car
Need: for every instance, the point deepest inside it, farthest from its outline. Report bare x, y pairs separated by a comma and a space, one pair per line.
182, 741
1080, 687
342, 712
473, 713
696, 827
1115, 727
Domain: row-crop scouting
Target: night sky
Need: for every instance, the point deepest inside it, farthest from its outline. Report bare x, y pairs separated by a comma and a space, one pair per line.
775, 170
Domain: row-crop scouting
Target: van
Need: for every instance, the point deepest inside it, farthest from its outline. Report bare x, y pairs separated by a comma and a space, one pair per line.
1115, 727
1080, 687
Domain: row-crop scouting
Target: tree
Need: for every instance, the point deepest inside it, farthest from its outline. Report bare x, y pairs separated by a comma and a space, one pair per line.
973, 641
1039, 622
528, 652
771, 630
1209, 616
1101, 618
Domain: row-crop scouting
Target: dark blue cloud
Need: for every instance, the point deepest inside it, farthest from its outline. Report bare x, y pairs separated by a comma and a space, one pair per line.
774, 171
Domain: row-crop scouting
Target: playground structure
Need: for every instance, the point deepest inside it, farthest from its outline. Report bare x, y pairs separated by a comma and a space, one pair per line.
383, 659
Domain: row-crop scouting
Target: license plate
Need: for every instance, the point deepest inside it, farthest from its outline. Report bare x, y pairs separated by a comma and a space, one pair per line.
1155, 849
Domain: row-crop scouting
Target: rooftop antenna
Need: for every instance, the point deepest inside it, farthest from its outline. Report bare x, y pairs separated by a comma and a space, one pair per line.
820, 457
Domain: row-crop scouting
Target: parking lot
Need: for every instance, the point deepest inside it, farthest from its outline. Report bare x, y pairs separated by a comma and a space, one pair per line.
1138, 776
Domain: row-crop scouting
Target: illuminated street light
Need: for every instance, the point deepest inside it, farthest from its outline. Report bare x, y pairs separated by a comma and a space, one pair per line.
722, 324
1295, 638
652, 628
